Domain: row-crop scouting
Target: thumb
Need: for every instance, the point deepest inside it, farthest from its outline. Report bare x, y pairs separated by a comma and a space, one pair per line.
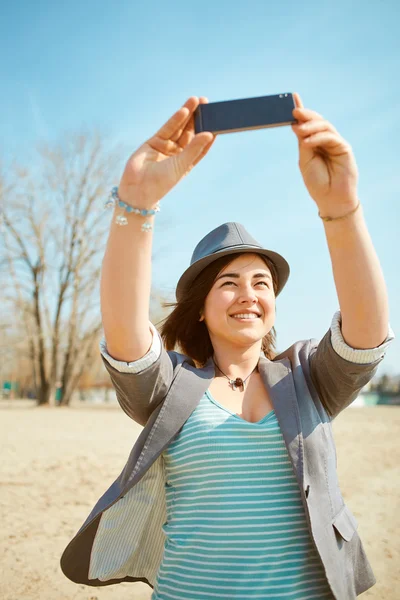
192, 153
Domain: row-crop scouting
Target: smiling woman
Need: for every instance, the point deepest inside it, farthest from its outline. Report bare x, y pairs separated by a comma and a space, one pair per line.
230, 491
237, 341
188, 327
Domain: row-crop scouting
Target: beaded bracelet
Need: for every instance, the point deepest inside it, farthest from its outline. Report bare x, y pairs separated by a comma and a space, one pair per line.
114, 200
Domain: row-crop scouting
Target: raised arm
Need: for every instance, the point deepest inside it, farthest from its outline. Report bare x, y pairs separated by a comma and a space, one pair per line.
349, 354
330, 173
150, 173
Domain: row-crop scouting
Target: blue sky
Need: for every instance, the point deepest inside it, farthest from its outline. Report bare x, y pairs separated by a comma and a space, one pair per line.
126, 67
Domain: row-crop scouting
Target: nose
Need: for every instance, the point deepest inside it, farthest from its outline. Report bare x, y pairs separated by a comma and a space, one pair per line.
248, 294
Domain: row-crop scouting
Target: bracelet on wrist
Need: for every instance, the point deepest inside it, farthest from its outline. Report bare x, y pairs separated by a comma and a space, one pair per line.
114, 201
342, 217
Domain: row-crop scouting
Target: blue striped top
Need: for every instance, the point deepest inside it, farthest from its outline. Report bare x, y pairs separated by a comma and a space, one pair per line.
236, 526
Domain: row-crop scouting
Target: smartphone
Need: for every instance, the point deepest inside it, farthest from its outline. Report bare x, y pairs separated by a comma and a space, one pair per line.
244, 114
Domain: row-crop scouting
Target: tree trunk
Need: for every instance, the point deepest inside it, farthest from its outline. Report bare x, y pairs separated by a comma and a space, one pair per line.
76, 362
44, 387
43, 394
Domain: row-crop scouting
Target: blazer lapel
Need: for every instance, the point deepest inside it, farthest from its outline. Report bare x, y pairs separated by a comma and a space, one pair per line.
183, 397
278, 380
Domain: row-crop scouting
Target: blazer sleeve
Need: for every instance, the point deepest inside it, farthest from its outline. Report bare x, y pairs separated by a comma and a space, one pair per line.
338, 371
143, 384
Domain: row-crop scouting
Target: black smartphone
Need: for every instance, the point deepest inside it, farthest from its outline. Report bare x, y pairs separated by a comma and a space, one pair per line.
244, 114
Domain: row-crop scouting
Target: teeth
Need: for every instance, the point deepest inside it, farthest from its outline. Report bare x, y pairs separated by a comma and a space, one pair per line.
245, 316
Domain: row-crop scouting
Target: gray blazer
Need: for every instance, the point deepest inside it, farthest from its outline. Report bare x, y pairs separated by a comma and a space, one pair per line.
309, 384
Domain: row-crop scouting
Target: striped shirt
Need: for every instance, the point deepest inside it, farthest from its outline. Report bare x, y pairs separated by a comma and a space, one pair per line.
236, 525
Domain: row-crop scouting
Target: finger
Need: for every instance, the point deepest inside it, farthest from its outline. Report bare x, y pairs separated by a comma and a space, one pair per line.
186, 133
305, 114
326, 140
178, 119
297, 100
189, 131
303, 130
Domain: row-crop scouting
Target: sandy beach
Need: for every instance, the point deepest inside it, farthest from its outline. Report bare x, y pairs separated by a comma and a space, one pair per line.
56, 462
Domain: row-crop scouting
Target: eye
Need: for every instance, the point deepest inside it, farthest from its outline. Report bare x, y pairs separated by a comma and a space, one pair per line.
258, 282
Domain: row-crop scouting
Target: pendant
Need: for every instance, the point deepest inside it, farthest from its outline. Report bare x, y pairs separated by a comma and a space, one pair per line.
238, 382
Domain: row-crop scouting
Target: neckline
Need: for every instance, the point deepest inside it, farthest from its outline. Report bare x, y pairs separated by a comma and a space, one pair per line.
268, 415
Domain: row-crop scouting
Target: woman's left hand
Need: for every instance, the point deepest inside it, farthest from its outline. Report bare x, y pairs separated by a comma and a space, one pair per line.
326, 162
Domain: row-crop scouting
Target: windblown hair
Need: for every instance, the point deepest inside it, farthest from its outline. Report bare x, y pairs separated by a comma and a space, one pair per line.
182, 331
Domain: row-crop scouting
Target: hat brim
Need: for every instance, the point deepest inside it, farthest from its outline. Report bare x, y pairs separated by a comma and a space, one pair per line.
191, 272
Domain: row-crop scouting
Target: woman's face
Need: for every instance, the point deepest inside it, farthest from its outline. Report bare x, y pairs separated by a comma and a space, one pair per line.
248, 287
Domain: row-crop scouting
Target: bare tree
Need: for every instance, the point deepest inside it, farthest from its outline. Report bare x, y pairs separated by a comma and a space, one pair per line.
54, 229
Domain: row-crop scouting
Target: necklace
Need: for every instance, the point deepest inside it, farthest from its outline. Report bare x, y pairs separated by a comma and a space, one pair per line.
238, 382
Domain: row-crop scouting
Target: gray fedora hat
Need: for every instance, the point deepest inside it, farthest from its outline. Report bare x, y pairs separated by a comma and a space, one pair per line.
228, 238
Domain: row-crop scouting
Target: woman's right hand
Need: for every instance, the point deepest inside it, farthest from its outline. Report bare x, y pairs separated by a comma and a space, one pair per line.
164, 159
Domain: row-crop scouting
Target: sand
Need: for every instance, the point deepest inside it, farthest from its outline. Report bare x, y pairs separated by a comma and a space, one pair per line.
56, 463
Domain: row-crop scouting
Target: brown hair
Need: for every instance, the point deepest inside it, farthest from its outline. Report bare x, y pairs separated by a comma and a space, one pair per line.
182, 328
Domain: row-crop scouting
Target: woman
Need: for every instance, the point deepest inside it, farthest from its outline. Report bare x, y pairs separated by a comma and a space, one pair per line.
231, 489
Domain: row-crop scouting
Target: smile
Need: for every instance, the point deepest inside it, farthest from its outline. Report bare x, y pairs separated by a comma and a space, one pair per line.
245, 318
